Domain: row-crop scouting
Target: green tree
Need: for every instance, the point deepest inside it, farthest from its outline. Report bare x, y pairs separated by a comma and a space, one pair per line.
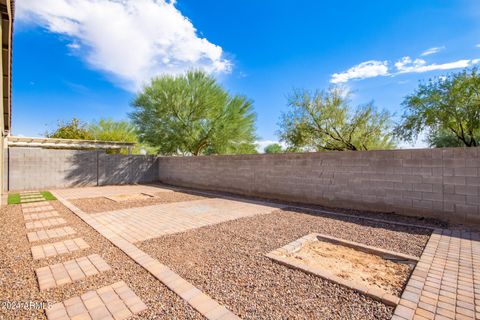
192, 114
121, 131
273, 148
74, 129
110, 130
324, 121
447, 108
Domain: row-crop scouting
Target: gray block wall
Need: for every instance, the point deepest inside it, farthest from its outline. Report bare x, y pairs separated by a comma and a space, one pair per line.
35, 168
441, 183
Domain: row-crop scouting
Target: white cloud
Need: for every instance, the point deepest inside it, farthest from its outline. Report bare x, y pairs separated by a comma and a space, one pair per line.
478, 45
367, 69
407, 65
131, 40
373, 68
432, 51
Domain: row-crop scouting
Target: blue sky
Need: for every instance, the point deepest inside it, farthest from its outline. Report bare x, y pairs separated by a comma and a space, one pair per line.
87, 59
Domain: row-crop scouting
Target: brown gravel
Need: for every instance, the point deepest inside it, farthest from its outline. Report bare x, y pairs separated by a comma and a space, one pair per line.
18, 281
102, 204
227, 262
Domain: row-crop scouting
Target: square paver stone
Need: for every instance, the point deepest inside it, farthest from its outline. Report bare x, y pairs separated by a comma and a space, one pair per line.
116, 301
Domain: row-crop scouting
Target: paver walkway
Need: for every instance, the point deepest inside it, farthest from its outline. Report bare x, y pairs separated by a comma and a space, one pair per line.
31, 197
39, 207
47, 223
106, 191
446, 281
41, 215
50, 234
143, 223
70, 271
203, 303
116, 301
57, 248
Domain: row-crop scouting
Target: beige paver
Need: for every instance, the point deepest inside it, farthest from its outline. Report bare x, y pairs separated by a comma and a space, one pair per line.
31, 198
57, 248
143, 223
35, 204
446, 281
116, 301
47, 223
106, 191
70, 271
50, 234
41, 215
38, 209
31, 195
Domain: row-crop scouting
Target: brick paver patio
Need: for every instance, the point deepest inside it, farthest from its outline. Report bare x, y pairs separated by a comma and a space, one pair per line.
446, 281
70, 271
57, 248
116, 301
143, 223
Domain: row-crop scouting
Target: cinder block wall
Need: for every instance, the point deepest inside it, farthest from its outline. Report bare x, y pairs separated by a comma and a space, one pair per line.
35, 168
441, 183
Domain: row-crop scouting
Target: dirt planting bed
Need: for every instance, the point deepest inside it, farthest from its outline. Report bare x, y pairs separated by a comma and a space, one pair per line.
18, 280
227, 261
102, 204
353, 265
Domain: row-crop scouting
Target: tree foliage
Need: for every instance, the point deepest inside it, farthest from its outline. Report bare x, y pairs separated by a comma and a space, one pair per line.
110, 130
273, 148
74, 129
447, 108
324, 120
192, 114
102, 130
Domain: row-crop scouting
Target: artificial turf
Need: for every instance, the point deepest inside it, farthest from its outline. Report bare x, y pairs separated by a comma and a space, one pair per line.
14, 198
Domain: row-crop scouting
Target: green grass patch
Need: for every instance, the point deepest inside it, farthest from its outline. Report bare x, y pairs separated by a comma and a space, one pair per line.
48, 196
14, 198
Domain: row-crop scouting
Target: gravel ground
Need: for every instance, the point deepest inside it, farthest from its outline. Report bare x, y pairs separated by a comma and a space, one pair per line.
227, 262
102, 204
18, 281
429, 222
